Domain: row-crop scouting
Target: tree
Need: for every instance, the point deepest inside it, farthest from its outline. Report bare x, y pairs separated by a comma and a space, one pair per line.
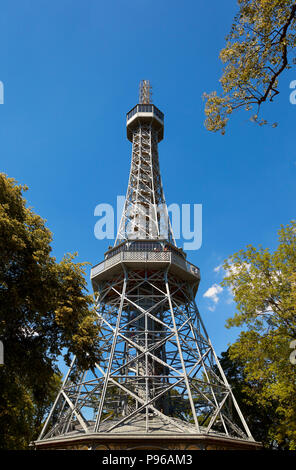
22, 409
263, 287
45, 312
257, 52
261, 419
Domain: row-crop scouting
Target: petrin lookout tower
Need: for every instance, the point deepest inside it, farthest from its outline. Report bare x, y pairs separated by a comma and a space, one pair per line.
158, 383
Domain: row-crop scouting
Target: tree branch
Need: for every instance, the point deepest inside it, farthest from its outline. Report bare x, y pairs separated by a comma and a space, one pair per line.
284, 58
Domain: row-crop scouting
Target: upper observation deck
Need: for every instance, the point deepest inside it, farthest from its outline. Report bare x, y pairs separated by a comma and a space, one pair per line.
144, 113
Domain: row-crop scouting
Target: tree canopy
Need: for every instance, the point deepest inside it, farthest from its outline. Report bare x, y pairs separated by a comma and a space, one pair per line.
45, 313
260, 418
256, 53
263, 285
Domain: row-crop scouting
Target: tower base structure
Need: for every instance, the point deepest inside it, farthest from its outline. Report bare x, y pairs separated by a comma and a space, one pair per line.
132, 436
159, 384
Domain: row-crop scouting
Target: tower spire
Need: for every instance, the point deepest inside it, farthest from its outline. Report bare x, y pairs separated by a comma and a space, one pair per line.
145, 94
145, 213
158, 382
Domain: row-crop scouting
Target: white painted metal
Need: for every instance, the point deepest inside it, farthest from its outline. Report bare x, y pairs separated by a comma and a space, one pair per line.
157, 363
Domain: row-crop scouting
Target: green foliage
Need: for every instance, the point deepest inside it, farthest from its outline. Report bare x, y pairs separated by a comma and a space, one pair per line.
256, 53
262, 419
263, 286
23, 408
44, 311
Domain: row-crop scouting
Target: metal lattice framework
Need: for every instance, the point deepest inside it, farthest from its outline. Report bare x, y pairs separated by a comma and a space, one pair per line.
145, 214
157, 370
145, 92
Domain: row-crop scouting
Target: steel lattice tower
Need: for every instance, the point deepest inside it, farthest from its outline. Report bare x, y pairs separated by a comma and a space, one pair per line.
158, 381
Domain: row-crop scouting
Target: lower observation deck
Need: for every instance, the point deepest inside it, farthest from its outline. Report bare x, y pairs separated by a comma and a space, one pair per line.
152, 256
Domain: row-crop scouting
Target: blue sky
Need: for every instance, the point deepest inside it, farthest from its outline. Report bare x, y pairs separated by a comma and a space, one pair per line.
71, 71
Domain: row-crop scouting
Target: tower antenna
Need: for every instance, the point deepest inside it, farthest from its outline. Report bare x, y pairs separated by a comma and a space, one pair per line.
145, 93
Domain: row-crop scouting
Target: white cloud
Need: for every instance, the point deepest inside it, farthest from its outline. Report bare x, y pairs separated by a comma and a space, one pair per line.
213, 293
217, 269
233, 269
212, 309
236, 269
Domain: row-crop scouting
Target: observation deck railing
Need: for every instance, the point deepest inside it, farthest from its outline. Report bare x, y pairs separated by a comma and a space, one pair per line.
145, 108
145, 256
